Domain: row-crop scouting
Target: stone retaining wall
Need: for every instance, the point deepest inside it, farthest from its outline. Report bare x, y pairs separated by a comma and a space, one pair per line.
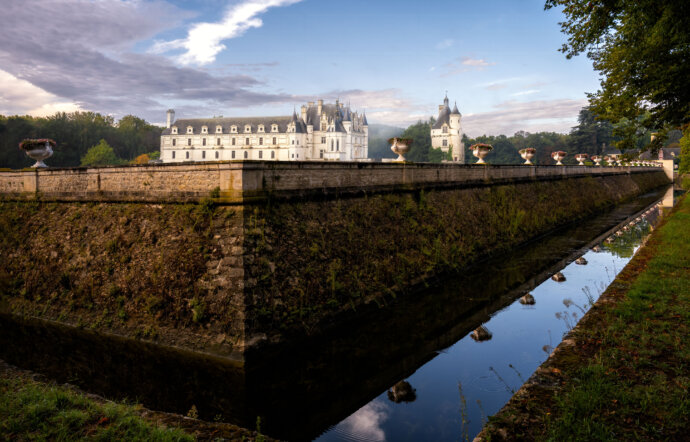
236, 182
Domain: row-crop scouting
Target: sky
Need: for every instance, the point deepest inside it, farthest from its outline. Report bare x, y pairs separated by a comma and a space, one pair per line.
394, 59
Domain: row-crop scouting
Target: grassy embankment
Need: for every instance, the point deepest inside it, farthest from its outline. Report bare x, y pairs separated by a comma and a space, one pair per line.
32, 409
625, 374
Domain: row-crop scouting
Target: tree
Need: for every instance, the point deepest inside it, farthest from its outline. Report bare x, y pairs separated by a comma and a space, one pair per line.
590, 135
100, 155
684, 166
641, 48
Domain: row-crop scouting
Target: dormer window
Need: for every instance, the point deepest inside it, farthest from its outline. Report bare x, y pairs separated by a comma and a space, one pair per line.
445, 129
204, 129
261, 128
233, 129
274, 128
190, 130
247, 129
174, 130
219, 129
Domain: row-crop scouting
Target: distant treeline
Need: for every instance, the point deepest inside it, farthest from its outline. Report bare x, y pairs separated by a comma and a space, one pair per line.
123, 141
75, 133
590, 136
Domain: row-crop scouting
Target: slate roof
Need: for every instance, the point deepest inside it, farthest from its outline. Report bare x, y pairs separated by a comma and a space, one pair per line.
455, 109
443, 116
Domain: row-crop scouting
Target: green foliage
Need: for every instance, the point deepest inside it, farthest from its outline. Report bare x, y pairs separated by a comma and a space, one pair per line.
684, 166
74, 134
100, 155
421, 150
641, 49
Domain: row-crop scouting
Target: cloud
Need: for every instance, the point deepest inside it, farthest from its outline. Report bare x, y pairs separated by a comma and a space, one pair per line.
527, 92
385, 106
445, 44
21, 97
557, 115
365, 423
82, 58
203, 41
465, 64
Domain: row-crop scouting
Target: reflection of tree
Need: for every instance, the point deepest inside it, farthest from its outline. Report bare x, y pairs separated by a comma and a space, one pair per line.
402, 392
624, 246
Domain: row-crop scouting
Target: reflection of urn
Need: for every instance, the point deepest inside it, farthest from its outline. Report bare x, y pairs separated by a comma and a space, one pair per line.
581, 157
558, 277
402, 392
528, 299
558, 156
400, 146
38, 150
581, 261
528, 154
596, 159
481, 150
480, 334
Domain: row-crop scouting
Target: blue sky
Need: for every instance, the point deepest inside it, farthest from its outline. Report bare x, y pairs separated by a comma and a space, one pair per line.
498, 59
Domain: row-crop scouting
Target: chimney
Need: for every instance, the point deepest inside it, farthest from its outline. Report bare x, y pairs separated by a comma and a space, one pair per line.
311, 104
320, 106
171, 118
441, 107
304, 113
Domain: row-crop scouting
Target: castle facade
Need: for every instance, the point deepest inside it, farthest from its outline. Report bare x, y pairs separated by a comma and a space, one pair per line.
321, 132
446, 133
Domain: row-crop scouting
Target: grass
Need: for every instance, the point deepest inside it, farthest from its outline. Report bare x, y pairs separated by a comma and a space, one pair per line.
627, 376
30, 410
635, 386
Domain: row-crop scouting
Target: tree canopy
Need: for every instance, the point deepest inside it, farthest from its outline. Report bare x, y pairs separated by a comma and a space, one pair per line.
641, 48
101, 154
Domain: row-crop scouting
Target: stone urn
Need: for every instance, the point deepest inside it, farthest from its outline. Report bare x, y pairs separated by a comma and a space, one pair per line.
619, 161
596, 159
527, 154
581, 157
607, 159
528, 299
400, 146
402, 392
481, 334
558, 156
38, 150
481, 150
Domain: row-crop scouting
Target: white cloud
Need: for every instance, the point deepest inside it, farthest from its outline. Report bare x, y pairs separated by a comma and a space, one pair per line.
478, 63
23, 98
204, 40
558, 115
385, 106
527, 92
365, 423
465, 64
445, 44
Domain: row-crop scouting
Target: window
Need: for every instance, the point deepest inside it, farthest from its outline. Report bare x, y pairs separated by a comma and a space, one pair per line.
190, 130
274, 128
174, 130
217, 141
261, 154
323, 140
203, 154
187, 156
204, 129
174, 141
203, 142
293, 141
261, 141
246, 154
298, 142
233, 129
445, 129
247, 129
246, 141
233, 141
261, 127
337, 145
189, 141
233, 154
275, 140
293, 155
445, 143
273, 154
173, 154
217, 154
219, 129
321, 153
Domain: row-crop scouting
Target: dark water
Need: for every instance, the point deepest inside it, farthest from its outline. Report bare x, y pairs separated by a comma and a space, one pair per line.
341, 386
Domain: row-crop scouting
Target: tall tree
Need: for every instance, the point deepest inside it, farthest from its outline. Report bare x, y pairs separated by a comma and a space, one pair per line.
641, 48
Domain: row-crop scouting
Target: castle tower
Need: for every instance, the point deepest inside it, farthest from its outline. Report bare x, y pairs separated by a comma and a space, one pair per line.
446, 133
455, 132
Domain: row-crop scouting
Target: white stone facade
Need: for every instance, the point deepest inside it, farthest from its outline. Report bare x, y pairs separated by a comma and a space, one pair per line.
446, 133
322, 132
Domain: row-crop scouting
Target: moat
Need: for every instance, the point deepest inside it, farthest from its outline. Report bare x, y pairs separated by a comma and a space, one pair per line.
341, 386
